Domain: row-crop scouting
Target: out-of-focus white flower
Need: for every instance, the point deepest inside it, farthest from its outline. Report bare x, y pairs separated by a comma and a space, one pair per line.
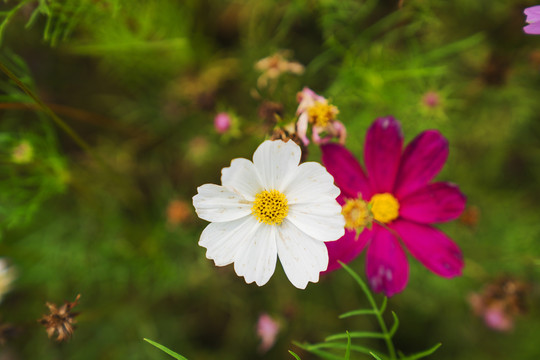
7, 276
267, 330
273, 66
315, 110
269, 208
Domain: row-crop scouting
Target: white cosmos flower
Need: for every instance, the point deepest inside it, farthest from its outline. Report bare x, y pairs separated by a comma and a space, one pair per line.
269, 208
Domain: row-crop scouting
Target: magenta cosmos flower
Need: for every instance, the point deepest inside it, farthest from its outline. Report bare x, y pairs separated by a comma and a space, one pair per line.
402, 202
533, 19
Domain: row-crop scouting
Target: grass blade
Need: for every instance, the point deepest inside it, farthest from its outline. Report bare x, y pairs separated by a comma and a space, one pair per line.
165, 350
295, 356
423, 353
394, 326
357, 312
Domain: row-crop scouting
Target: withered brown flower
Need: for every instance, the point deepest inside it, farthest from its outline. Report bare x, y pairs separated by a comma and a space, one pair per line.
60, 320
288, 132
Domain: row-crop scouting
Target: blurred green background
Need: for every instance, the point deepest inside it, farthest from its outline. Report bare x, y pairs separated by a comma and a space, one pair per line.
140, 83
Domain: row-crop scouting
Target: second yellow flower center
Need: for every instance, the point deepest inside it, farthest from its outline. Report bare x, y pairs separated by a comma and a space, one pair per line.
321, 113
384, 207
270, 207
356, 214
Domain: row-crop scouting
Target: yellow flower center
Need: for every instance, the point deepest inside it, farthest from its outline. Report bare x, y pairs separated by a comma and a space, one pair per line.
270, 207
384, 207
356, 214
321, 113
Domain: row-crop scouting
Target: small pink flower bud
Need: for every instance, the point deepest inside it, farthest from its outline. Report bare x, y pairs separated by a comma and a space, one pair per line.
431, 99
222, 122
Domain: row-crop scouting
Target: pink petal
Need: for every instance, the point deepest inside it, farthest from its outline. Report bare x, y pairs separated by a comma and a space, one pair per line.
382, 152
346, 249
422, 159
533, 29
347, 172
497, 319
532, 13
431, 247
387, 268
437, 202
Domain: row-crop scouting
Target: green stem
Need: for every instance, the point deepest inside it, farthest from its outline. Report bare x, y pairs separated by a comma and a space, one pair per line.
378, 312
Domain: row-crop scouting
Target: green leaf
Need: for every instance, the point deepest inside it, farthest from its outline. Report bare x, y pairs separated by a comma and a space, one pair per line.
383, 305
375, 356
348, 349
334, 345
357, 312
357, 334
295, 356
325, 354
394, 326
166, 350
423, 354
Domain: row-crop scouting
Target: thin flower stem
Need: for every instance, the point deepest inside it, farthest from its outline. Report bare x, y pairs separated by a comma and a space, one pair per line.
378, 312
67, 129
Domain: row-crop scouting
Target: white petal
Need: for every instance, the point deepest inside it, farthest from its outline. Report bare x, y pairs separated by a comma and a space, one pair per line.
218, 204
301, 256
322, 221
242, 177
277, 162
257, 261
311, 183
225, 240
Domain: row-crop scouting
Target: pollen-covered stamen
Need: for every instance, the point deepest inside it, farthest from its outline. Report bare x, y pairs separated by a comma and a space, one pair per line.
384, 207
321, 113
356, 214
270, 207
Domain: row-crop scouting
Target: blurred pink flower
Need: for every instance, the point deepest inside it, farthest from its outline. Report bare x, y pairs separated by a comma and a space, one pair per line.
431, 99
496, 318
533, 19
267, 330
402, 201
222, 122
315, 110
500, 302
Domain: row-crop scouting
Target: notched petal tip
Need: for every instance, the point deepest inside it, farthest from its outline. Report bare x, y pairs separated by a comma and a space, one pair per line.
387, 122
532, 29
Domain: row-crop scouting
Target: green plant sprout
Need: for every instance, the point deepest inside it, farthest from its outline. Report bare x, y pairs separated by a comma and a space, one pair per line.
385, 334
